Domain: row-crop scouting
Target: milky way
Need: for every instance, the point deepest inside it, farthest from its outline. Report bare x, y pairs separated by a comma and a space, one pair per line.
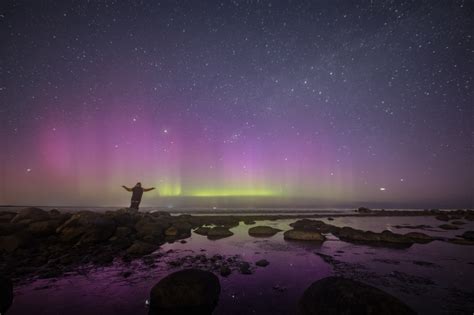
336, 101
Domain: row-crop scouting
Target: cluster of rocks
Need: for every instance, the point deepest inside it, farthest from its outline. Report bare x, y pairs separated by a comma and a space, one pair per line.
224, 265
193, 291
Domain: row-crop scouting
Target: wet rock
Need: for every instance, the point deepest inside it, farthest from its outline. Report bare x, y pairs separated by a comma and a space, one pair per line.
202, 230
219, 232
303, 235
468, 235
448, 227
263, 231
262, 263
442, 217
225, 271
29, 215
244, 268
458, 222
189, 291
314, 225
419, 237
330, 219
139, 248
335, 295
124, 217
423, 263
249, 222
6, 294
7, 216
385, 237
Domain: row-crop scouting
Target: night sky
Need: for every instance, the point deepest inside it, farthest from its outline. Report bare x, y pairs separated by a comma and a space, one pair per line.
334, 101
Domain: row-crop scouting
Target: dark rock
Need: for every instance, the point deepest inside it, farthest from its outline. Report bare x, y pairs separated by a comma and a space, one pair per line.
139, 248
122, 232
457, 222
249, 222
219, 232
225, 271
418, 237
364, 210
7, 216
10, 228
448, 227
303, 235
442, 217
171, 231
202, 230
244, 268
86, 227
262, 263
314, 225
12, 242
54, 212
330, 219
386, 237
6, 294
263, 231
151, 231
29, 215
468, 235
335, 295
188, 291
44, 228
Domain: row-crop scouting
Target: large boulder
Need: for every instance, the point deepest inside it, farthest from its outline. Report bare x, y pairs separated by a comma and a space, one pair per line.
419, 237
10, 228
314, 225
202, 230
262, 231
6, 294
218, 232
124, 217
87, 227
29, 215
7, 216
189, 291
304, 235
335, 295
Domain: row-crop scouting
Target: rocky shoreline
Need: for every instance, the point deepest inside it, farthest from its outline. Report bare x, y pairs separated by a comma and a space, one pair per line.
38, 244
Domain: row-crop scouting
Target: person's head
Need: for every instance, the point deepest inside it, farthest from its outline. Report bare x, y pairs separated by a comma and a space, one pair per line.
138, 184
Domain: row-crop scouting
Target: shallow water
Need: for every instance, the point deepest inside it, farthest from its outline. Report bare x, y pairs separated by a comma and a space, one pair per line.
293, 267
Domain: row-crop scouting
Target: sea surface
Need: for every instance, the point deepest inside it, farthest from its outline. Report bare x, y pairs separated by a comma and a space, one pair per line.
434, 278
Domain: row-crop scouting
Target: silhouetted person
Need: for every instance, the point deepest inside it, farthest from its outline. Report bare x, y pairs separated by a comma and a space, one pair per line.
137, 193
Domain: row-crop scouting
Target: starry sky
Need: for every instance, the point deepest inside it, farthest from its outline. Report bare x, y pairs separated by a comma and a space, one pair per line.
334, 102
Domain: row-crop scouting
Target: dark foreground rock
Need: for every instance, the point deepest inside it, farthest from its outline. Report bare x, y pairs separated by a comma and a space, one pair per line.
262, 231
262, 263
189, 291
6, 294
335, 295
448, 227
468, 235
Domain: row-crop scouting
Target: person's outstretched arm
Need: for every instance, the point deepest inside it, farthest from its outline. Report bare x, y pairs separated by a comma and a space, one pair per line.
148, 189
126, 188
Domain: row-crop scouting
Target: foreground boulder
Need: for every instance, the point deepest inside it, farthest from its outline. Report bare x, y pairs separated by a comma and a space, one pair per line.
263, 231
6, 294
335, 295
189, 291
203, 230
303, 235
139, 248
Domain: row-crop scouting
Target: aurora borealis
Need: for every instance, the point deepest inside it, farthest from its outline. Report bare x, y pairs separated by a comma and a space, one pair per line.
336, 101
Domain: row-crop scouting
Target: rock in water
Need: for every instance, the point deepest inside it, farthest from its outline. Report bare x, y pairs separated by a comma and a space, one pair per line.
202, 230
263, 231
219, 232
262, 263
448, 227
189, 291
335, 295
302, 235
468, 235
6, 294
